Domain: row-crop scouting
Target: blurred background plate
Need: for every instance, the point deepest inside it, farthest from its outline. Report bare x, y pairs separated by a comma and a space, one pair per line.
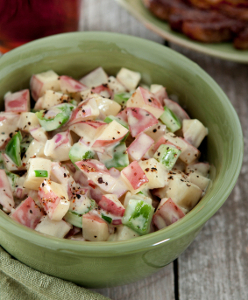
162, 28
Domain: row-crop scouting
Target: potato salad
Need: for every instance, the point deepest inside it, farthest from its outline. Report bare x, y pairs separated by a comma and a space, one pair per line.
102, 158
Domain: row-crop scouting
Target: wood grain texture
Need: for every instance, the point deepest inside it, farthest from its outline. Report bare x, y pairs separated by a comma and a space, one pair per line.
215, 266
157, 286
107, 15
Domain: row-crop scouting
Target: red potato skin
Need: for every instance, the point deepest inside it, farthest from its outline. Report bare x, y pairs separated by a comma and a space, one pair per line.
28, 213
71, 85
176, 108
102, 88
35, 86
137, 145
123, 115
143, 119
135, 175
18, 102
110, 206
49, 201
161, 95
6, 199
169, 212
93, 218
149, 98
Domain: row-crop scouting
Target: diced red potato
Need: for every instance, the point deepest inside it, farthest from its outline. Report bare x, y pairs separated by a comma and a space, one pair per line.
95, 78
27, 213
54, 199
123, 115
89, 130
115, 85
124, 233
59, 146
111, 134
111, 204
42, 164
128, 78
155, 172
9, 165
184, 194
159, 92
62, 176
134, 177
156, 131
177, 109
34, 195
144, 99
100, 176
189, 153
39, 83
39, 134
85, 110
17, 102
194, 132
57, 229
6, 199
199, 180
107, 107
28, 121
167, 213
139, 120
199, 168
139, 146
103, 90
50, 99
95, 192
70, 85
95, 229
8, 125
35, 149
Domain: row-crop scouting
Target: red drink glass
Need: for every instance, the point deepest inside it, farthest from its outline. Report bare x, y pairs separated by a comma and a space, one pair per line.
24, 20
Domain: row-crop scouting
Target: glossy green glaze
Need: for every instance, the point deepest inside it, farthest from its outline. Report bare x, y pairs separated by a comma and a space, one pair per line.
106, 264
223, 50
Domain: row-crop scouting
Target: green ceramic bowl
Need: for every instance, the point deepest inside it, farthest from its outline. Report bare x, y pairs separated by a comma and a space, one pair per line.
104, 264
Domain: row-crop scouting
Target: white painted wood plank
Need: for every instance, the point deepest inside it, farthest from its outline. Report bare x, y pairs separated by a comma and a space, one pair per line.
215, 266
156, 287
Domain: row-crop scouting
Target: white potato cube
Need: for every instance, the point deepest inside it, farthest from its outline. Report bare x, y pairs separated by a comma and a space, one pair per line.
95, 78
35, 149
37, 164
28, 121
155, 172
185, 194
58, 229
115, 85
128, 78
194, 132
39, 83
95, 229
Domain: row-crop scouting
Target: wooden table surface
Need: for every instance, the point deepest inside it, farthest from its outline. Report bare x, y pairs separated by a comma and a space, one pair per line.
215, 266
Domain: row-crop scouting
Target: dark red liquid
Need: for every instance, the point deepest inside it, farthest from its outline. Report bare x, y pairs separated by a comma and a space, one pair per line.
24, 20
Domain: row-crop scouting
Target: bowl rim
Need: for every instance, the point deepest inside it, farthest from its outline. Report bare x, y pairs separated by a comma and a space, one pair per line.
160, 237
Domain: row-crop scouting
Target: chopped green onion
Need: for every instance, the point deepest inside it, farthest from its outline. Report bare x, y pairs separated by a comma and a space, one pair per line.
41, 173
107, 219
